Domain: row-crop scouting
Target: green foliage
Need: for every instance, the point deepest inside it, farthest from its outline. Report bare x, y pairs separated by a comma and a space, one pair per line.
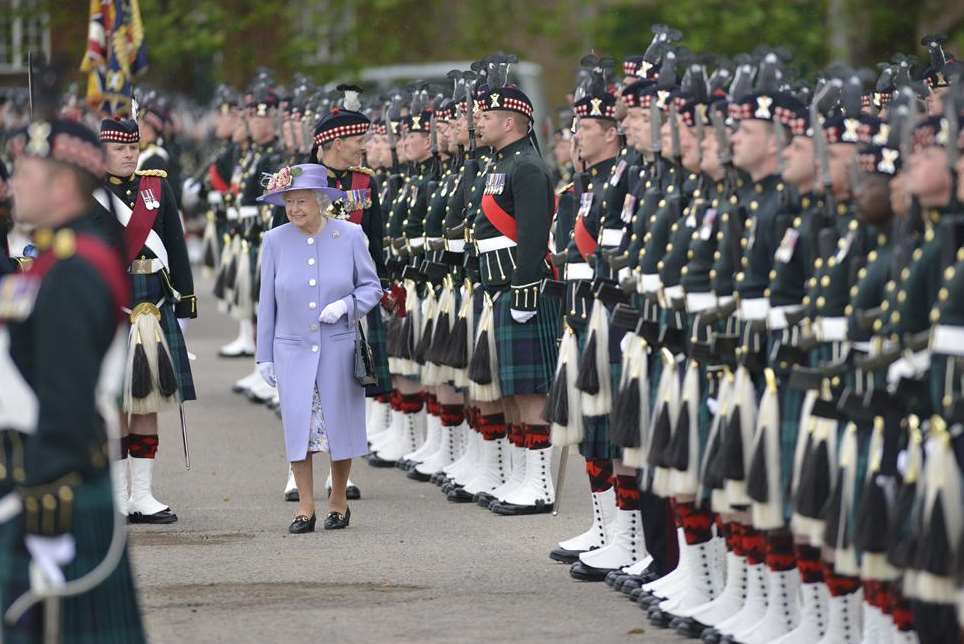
193, 44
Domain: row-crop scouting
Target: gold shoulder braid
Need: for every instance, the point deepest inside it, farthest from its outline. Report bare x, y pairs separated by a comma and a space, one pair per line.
362, 169
151, 173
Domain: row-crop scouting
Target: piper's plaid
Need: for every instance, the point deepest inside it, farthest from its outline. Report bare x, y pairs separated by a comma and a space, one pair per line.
375, 333
109, 613
527, 352
150, 288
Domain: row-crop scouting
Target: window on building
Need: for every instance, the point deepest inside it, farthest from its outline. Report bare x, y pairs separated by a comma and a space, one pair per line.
24, 28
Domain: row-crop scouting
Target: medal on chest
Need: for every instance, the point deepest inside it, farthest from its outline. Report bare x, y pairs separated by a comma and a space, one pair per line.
709, 219
785, 251
629, 207
585, 204
494, 183
617, 172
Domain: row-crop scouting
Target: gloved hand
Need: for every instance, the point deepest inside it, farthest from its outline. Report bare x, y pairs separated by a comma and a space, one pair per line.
333, 312
49, 555
266, 369
522, 316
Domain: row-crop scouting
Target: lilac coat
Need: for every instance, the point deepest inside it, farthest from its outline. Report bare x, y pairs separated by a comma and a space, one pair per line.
300, 275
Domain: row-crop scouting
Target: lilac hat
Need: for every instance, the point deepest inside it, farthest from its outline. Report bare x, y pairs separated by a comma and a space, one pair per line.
307, 176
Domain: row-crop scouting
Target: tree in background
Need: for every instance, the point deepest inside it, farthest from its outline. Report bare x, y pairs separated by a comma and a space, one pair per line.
194, 44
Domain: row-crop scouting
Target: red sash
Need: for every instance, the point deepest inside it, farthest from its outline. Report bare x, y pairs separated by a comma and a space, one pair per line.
359, 181
585, 242
505, 224
105, 261
217, 182
142, 219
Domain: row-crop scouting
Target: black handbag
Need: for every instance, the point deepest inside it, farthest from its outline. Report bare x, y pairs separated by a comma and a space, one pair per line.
364, 359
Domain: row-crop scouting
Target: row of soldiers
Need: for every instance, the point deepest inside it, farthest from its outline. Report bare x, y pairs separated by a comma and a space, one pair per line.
737, 294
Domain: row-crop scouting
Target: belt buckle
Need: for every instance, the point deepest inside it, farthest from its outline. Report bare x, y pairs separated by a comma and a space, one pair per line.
141, 267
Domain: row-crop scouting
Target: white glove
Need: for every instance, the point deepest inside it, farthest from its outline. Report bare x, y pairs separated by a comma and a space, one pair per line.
49, 554
522, 316
190, 193
266, 369
333, 312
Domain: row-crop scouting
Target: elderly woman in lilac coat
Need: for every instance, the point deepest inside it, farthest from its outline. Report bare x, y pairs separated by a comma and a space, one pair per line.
317, 281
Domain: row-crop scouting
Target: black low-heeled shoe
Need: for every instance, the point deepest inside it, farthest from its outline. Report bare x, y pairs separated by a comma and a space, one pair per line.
302, 524
337, 520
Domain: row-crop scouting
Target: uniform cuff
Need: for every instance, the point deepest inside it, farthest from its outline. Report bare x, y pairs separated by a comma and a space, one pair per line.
48, 509
186, 307
525, 297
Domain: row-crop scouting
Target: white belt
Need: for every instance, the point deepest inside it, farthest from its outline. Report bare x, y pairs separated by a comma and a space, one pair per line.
861, 346
831, 329
724, 300
494, 243
649, 283
698, 302
10, 506
580, 271
248, 211
429, 240
754, 309
455, 245
154, 266
777, 316
612, 237
675, 292
948, 340
233, 214
215, 198
417, 242
911, 366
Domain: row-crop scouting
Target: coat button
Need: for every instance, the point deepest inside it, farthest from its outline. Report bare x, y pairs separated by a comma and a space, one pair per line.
311, 240
312, 282
314, 348
312, 305
311, 261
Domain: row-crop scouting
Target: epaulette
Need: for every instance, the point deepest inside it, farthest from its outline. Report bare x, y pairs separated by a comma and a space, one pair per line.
151, 173
362, 169
565, 188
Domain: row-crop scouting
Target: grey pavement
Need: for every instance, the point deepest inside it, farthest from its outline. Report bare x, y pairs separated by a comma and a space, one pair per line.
411, 568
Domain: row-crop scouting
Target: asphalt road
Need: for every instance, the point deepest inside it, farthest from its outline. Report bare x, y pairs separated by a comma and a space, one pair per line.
411, 568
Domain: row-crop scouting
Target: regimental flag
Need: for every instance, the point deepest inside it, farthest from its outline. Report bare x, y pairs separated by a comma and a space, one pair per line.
115, 54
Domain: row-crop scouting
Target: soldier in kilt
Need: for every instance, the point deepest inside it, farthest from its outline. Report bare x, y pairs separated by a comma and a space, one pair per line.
72, 372
604, 171
140, 206
514, 356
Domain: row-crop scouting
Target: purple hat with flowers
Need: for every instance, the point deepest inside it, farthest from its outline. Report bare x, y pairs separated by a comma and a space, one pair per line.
307, 176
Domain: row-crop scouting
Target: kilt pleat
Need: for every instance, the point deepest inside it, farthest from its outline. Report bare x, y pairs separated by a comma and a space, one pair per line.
150, 288
527, 353
109, 613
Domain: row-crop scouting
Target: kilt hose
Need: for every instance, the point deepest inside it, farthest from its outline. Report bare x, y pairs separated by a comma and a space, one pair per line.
151, 288
528, 352
375, 334
109, 613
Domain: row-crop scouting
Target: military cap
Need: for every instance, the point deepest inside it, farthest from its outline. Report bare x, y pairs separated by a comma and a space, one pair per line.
343, 121
68, 142
117, 130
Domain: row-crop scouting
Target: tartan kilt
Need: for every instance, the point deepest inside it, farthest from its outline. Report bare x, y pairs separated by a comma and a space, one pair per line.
596, 442
527, 353
105, 615
151, 288
791, 407
375, 334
